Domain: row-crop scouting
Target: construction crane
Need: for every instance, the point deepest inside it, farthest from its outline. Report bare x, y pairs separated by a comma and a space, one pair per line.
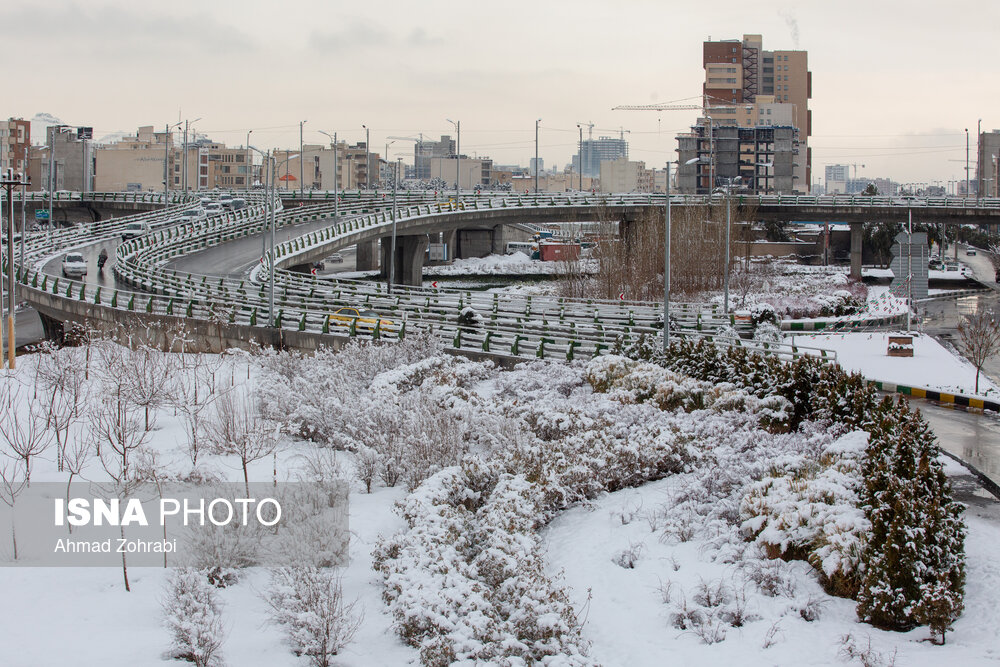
704, 108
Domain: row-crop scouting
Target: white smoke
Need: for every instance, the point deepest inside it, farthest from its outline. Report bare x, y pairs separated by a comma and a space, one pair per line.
793, 26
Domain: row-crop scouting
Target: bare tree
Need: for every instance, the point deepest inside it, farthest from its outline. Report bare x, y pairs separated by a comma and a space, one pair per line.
75, 458
117, 433
238, 428
194, 389
149, 380
979, 338
23, 427
13, 480
60, 376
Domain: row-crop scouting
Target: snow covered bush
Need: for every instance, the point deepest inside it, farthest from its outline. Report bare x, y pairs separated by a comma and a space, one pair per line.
308, 603
767, 332
812, 514
193, 616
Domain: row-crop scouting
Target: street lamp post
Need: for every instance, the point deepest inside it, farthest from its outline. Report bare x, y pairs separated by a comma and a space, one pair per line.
392, 250
458, 156
336, 174
166, 160
536, 154
184, 165
249, 175
368, 166
302, 162
966, 162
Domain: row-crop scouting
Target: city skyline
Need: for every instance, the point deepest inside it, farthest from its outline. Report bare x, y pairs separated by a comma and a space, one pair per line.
888, 92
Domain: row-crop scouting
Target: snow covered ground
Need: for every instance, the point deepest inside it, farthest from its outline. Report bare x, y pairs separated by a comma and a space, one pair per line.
61, 616
932, 366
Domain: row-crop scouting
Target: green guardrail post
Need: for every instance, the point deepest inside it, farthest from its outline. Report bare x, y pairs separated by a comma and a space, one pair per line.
83, 292
149, 305
131, 302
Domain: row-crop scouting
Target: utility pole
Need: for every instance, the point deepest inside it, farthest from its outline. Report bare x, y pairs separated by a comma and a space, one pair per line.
536, 154
302, 162
249, 175
392, 253
10, 182
666, 264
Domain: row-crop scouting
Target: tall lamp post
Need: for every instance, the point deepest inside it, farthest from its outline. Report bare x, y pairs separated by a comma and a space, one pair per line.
336, 173
368, 166
249, 176
184, 165
536, 154
458, 156
10, 182
966, 162
302, 162
166, 160
392, 251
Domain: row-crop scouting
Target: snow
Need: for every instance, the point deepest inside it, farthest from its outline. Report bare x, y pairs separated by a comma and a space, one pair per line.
932, 366
516, 263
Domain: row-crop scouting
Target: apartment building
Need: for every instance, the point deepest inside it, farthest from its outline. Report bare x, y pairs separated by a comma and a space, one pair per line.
623, 175
747, 86
136, 163
67, 153
592, 152
15, 138
472, 172
988, 164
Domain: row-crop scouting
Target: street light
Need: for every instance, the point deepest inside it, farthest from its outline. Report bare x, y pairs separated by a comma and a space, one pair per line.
392, 251
166, 159
249, 161
966, 162
368, 166
302, 162
272, 171
458, 156
536, 154
336, 174
184, 166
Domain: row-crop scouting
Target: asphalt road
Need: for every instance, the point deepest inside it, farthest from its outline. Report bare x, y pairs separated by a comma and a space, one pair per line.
974, 438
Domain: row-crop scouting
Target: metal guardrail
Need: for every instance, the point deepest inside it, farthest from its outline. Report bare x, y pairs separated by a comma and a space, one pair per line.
543, 327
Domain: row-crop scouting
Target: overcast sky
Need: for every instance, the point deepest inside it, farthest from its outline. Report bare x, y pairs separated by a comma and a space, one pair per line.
894, 86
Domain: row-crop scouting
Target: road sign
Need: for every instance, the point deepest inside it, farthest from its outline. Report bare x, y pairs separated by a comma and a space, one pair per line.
41, 214
906, 252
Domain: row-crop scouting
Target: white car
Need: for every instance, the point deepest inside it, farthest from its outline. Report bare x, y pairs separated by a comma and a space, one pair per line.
134, 230
970, 251
336, 258
191, 215
214, 208
74, 265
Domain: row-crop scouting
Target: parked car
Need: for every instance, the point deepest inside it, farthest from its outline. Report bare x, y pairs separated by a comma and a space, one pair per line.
74, 265
134, 230
364, 319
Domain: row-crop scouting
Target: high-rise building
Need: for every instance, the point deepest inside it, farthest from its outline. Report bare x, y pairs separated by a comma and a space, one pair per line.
757, 159
15, 137
747, 86
595, 151
425, 151
988, 164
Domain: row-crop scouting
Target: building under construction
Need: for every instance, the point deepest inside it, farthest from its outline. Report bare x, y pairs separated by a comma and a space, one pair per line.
757, 159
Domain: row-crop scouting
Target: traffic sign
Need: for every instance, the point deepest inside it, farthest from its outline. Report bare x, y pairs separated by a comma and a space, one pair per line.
41, 214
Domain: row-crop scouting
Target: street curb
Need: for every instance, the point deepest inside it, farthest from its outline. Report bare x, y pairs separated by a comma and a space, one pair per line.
939, 396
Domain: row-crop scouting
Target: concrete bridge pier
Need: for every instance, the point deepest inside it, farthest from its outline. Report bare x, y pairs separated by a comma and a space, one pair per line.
857, 234
52, 328
409, 259
367, 256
